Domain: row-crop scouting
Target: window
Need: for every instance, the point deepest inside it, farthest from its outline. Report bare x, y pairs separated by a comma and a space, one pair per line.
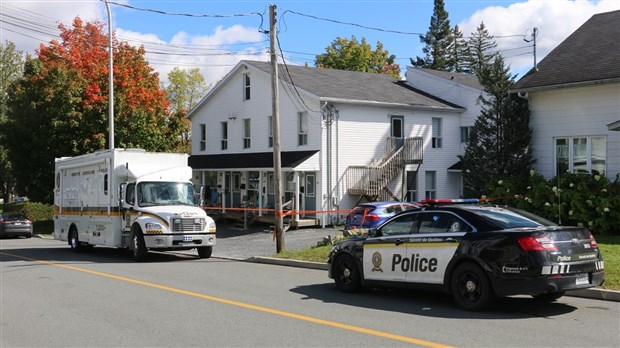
434, 222
246, 86
397, 126
236, 182
203, 137
400, 225
270, 130
412, 186
583, 155
467, 133
310, 186
302, 120
431, 185
437, 140
247, 131
106, 183
224, 135
271, 187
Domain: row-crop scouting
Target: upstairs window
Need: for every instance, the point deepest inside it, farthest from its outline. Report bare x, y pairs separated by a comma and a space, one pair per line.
437, 139
467, 133
247, 132
203, 137
246, 86
302, 133
224, 135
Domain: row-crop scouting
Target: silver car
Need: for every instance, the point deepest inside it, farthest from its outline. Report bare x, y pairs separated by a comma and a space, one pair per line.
15, 225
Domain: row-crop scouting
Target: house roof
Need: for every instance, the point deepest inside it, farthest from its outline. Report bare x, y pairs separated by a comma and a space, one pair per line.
354, 86
461, 78
589, 55
255, 160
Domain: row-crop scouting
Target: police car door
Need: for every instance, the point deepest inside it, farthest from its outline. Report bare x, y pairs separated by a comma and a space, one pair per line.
389, 243
432, 248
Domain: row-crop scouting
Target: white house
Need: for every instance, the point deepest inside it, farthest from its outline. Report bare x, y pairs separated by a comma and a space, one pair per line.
345, 137
574, 99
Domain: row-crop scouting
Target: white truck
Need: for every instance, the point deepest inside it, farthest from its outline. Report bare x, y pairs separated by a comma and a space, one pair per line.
129, 198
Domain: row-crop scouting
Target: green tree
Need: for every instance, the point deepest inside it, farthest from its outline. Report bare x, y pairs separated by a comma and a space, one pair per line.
185, 89
60, 106
500, 147
345, 54
437, 41
458, 52
12, 63
481, 48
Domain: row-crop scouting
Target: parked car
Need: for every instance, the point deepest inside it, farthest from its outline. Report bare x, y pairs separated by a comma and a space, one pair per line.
15, 225
371, 215
474, 252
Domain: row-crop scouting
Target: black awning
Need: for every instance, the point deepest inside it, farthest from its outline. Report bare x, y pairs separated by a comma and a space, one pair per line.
456, 167
290, 159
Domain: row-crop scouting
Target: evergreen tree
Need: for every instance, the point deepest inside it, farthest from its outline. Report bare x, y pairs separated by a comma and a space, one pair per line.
500, 147
458, 52
481, 48
437, 41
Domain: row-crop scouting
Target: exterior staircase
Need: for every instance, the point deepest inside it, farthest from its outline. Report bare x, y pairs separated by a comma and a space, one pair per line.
371, 182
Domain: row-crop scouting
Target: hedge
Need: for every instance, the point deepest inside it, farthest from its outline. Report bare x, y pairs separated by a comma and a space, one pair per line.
583, 200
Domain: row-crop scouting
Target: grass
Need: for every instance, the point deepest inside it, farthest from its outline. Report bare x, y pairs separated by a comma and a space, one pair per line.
609, 246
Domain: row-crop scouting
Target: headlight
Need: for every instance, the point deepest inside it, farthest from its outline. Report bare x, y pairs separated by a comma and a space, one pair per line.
153, 226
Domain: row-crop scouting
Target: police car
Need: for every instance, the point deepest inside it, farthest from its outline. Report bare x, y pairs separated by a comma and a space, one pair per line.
475, 252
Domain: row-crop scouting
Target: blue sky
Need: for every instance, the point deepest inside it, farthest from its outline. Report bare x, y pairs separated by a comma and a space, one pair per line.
220, 33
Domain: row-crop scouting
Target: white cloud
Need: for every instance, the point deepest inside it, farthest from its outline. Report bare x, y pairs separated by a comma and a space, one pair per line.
555, 20
31, 23
215, 54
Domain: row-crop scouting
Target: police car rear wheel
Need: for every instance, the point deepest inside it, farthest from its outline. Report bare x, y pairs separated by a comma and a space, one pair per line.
346, 274
471, 288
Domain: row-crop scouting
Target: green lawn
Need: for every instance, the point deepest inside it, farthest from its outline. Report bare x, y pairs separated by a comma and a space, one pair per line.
609, 246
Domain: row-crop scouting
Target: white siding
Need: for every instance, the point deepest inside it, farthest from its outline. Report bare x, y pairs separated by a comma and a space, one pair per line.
576, 111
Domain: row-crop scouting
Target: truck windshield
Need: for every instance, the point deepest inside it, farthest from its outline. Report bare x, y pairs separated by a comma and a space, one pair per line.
165, 193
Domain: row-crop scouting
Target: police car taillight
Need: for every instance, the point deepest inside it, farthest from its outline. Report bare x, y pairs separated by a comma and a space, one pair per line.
536, 243
593, 242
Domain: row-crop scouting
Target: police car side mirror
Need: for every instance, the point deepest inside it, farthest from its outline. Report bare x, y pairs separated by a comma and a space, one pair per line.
373, 232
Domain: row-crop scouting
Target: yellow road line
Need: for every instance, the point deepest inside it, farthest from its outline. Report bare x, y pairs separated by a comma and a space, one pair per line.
244, 305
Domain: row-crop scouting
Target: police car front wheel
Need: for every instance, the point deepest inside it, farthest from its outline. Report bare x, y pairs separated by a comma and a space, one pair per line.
346, 273
471, 288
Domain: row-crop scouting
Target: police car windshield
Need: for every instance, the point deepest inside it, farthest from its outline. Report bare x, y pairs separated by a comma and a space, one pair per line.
507, 219
165, 193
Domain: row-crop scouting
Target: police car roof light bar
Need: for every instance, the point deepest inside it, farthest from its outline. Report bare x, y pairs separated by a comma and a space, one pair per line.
450, 201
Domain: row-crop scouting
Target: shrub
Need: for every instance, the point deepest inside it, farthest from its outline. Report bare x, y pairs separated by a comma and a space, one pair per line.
33, 210
583, 200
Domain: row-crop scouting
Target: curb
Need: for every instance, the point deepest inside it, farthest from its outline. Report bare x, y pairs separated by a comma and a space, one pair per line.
592, 293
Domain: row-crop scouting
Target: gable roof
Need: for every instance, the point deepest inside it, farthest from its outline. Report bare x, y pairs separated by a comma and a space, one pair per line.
332, 85
589, 55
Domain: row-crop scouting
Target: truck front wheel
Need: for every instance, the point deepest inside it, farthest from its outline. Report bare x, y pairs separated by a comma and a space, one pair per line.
205, 252
138, 246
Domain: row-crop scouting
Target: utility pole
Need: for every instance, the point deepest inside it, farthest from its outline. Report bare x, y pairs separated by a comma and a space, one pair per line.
533, 39
275, 125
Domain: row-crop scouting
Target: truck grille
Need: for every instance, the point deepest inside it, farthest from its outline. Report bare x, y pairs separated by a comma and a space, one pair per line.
188, 225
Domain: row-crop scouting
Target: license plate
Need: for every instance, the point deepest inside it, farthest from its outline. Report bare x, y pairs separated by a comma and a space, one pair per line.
582, 279
188, 238
17, 223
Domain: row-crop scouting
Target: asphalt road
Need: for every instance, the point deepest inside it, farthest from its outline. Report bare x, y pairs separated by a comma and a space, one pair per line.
52, 297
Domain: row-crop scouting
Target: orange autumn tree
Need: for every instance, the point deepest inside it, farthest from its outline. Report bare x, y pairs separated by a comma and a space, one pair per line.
60, 106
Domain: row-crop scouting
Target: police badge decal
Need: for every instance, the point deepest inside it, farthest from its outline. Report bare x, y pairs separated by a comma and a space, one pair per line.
376, 262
